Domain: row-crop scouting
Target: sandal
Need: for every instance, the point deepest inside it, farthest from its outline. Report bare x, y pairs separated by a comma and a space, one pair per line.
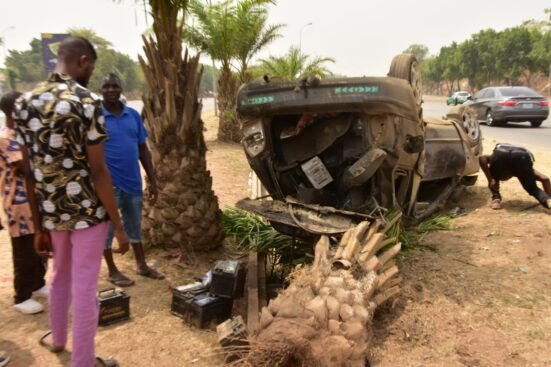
150, 273
108, 362
52, 348
120, 280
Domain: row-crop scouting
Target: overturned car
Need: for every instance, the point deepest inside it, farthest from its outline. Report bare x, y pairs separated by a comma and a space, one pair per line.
335, 152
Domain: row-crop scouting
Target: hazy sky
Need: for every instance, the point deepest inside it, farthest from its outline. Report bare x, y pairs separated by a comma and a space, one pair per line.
362, 35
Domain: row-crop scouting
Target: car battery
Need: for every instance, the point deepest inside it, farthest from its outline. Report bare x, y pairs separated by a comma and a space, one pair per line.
182, 295
205, 307
114, 306
228, 279
232, 333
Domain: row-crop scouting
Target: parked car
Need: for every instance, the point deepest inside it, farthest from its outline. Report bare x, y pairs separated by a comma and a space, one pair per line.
458, 98
334, 152
496, 106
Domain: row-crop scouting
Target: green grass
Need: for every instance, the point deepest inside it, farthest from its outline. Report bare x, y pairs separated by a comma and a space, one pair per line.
249, 232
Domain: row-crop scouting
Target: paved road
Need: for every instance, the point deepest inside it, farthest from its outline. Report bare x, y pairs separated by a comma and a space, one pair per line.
514, 133
208, 104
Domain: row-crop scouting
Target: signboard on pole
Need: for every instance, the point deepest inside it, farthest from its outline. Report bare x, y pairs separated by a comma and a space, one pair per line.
50, 44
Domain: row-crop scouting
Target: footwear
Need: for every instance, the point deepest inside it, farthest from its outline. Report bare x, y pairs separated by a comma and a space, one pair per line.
29, 307
107, 362
43, 292
150, 273
121, 280
496, 204
4, 359
52, 348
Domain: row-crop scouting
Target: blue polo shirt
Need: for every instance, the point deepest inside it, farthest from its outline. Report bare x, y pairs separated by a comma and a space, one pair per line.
126, 132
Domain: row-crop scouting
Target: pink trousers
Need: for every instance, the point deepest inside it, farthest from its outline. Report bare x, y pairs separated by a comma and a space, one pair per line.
77, 261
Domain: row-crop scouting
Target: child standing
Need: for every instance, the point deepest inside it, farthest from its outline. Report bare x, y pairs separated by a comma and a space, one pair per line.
29, 268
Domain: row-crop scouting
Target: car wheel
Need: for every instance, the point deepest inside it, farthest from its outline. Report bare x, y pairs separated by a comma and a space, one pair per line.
490, 121
455, 102
471, 126
536, 123
405, 66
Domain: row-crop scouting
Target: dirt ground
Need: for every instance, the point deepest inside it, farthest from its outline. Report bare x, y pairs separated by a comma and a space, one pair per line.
480, 299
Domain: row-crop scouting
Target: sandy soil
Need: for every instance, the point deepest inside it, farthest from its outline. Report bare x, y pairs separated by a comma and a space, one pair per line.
481, 299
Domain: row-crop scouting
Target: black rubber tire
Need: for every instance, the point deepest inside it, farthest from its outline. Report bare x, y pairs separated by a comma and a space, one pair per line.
536, 123
490, 120
405, 66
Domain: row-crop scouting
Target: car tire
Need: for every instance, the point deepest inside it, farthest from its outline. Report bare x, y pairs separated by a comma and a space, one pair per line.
490, 121
536, 123
405, 66
471, 126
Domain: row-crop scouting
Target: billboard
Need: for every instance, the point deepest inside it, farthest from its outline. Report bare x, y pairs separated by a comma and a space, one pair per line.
50, 44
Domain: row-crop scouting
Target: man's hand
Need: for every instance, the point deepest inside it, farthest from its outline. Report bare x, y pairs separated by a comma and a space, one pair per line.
152, 194
122, 239
493, 184
43, 244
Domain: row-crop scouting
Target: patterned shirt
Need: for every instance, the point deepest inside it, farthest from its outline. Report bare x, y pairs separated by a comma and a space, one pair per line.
12, 187
56, 122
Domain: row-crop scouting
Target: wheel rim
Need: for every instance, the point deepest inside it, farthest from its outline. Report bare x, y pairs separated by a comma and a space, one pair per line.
489, 119
471, 127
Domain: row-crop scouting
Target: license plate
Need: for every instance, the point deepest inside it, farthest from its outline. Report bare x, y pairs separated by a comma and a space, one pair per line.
527, 105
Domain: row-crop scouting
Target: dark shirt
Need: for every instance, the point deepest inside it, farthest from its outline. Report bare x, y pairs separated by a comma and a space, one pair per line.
509, 161
56, 121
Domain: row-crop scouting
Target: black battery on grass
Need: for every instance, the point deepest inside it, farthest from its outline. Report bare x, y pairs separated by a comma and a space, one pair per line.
228, 279
182, 295
114, 306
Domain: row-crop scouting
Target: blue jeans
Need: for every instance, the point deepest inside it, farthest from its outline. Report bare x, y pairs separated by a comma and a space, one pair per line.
130, 208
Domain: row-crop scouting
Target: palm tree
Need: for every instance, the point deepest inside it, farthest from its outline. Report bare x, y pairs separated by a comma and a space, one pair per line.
295, 64
232, 30
254, 33
187, 211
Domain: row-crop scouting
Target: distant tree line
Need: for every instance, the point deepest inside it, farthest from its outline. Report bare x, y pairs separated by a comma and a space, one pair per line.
514, 56
27, 66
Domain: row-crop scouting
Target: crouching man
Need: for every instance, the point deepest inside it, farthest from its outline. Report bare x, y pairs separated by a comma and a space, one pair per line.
507, 161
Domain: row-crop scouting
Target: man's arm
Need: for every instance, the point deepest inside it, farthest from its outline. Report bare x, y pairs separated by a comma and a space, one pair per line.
544, 181
42, 243
484, 161
145, 159
101, 178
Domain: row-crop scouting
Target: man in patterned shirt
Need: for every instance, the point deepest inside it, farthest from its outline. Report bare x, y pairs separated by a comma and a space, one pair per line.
28, 268
62, 126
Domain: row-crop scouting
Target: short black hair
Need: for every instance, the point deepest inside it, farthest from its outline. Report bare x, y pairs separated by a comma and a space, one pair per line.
7, 101
73, 47
111, 76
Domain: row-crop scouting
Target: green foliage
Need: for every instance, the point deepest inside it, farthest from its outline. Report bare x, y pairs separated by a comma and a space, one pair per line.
512, 56
28, 66
251, 233
295, 64
28, 63
412, 237
231, 31
420, 51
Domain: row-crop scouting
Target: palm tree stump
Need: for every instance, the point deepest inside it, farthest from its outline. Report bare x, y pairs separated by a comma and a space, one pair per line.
323, 319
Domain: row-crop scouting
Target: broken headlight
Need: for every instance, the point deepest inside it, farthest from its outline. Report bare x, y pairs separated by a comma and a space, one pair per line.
253, 138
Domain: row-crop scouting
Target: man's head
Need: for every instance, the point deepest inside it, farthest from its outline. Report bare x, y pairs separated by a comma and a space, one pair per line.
76, 57
7, 104
111, 88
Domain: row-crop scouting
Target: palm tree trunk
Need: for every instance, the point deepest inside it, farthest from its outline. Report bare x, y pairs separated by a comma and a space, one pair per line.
228, 126
187, 211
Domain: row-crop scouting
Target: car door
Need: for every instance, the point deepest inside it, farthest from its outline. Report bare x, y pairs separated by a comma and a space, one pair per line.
477, 104
490, 98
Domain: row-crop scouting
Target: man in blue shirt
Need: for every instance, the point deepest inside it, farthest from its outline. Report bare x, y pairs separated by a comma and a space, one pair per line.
124, 151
